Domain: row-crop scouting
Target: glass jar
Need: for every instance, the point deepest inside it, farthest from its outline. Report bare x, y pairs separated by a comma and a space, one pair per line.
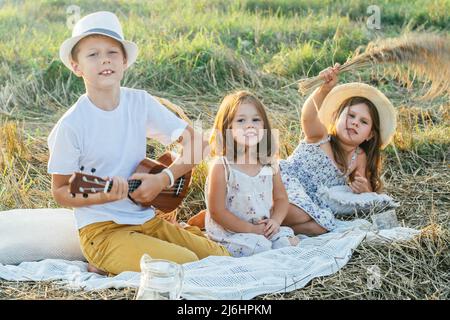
160, 279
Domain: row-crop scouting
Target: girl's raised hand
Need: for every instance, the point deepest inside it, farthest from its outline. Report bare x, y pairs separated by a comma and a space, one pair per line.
330, 76
360, 184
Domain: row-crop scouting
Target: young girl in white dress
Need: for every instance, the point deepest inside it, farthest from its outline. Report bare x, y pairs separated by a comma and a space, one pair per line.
246, 198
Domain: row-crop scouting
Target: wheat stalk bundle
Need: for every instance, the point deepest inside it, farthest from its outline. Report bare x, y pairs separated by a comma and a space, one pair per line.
426, 55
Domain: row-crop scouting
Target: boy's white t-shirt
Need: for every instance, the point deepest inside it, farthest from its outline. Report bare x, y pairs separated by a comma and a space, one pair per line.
112, 142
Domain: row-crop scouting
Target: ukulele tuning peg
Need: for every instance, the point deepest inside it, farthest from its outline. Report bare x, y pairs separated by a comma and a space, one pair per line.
85, 195
81, 168
72, 195
93, 170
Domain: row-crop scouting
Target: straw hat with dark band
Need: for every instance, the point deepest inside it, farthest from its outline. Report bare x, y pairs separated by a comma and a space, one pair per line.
386, 111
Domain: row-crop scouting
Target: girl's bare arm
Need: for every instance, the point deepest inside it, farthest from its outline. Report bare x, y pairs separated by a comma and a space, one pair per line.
313, 129
280, 199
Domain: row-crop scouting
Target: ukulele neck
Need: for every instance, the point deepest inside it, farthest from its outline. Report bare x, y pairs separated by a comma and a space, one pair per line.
132, 185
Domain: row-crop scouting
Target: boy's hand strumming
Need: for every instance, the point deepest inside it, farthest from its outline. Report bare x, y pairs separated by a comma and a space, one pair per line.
151, 186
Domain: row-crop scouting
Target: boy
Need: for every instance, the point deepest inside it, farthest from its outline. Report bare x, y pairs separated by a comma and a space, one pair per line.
106, 130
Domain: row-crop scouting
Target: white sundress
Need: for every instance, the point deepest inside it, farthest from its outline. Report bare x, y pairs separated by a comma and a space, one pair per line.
250, 199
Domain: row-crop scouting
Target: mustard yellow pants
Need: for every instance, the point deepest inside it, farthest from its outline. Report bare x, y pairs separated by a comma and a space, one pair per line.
115, 248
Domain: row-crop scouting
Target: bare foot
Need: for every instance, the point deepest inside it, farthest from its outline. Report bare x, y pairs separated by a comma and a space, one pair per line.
93, 269
294, 241
198, 220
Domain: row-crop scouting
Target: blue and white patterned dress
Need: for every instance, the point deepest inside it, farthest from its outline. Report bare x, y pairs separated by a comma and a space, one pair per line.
303, 172
250, 198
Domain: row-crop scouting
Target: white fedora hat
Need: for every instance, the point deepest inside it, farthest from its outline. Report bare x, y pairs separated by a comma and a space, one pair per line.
386, 111
104, 23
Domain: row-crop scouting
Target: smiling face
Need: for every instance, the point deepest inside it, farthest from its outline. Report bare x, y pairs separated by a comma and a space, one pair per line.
100, 60
354, 125
247, 126
242, 125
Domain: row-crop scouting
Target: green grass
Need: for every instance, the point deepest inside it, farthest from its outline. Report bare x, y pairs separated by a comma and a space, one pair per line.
193, 53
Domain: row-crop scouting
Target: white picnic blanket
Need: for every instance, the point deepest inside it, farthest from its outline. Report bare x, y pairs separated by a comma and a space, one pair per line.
281, 270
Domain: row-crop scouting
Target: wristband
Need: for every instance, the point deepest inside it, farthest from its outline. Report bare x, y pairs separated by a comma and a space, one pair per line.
171, 177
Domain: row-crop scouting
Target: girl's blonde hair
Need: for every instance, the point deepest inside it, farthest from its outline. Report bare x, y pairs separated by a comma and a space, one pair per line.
371, 147
221, 139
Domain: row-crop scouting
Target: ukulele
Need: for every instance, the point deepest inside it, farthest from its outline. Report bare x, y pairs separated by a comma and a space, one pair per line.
168, 200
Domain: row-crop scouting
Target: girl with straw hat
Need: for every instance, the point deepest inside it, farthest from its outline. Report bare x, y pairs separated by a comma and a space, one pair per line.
345, 128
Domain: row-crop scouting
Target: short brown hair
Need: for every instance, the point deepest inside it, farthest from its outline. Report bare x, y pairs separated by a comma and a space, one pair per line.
76, 49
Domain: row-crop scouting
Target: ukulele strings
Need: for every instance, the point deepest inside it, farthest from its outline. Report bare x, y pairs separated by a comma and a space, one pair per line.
175, 188
133, 185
